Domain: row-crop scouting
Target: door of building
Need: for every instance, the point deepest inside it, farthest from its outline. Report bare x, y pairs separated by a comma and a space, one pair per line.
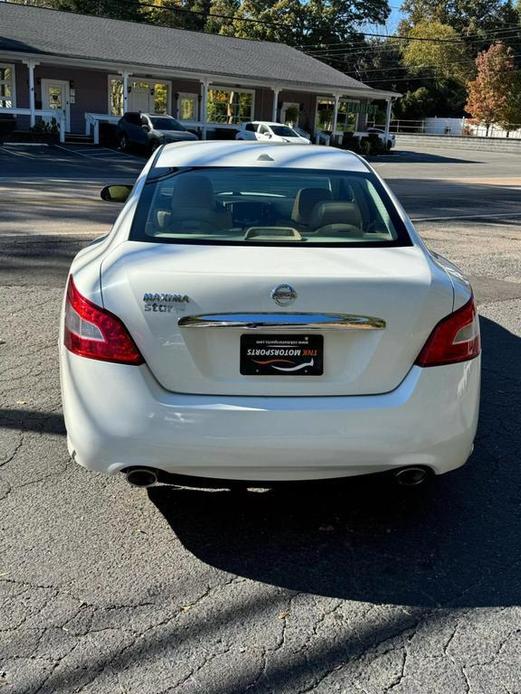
149, 96
188, 106
139, 97
289, 113
56, 97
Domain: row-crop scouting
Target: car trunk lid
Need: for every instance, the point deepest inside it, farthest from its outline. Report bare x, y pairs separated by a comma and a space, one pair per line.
161, 290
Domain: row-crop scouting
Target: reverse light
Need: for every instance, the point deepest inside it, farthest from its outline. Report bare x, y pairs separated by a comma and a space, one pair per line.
454, 339
93, 332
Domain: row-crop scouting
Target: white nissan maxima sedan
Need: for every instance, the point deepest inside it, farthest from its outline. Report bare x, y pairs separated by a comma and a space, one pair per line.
266, 312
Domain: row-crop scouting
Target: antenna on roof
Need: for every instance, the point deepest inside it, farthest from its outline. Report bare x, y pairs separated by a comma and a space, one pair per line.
265, 157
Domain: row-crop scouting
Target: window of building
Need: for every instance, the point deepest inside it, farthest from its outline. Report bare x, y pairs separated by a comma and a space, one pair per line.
347, 114
188, 106
7, 86
115, 96
160, 97
230, 106
148, 96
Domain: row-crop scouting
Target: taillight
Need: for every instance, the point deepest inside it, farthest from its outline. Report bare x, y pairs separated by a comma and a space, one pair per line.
454, 339
93, 332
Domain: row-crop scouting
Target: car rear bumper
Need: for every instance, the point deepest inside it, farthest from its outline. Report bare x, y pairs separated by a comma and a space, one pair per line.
118, 416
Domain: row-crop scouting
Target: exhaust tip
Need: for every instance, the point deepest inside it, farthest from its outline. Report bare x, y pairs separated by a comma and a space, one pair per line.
411, 476
141, 477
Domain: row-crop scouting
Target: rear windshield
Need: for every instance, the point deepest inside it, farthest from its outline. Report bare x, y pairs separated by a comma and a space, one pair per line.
283, 131
266, 206
166, 124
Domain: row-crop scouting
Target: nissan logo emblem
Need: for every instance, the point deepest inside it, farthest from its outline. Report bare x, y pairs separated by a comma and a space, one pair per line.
284, 295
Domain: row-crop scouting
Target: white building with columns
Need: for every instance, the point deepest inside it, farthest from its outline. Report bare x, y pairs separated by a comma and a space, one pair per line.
84, 70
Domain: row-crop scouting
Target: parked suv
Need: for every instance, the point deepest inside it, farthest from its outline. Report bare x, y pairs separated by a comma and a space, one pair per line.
148, 131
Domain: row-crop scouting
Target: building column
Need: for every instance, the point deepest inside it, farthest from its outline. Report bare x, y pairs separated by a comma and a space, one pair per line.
388, 111
125, 76
335, 120
276, 93
204, 107
31, 64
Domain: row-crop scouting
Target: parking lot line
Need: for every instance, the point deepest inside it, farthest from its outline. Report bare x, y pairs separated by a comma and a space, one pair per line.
485, 215
71, 151
99, 153
25, 155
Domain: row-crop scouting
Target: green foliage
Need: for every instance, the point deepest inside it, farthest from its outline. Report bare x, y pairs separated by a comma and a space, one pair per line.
476, 22
511, 114
115, 9
469, 18
414, 105
442, 99
46, 127
446, 59
296, 22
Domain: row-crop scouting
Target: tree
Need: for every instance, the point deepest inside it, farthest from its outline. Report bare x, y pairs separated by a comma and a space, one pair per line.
493, 96
471, 19
295, 22
437, 49
299, 22
414, 105
115, 9
510, 119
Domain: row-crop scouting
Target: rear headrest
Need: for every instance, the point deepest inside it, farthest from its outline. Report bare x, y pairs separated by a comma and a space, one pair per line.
335, 212
346, 192
305, 201
193, 190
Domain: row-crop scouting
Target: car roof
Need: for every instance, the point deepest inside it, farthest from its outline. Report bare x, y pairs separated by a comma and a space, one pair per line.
245, 153
267, 122
150, 115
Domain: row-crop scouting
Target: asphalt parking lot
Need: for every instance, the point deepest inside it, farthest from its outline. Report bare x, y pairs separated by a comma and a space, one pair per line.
347, 588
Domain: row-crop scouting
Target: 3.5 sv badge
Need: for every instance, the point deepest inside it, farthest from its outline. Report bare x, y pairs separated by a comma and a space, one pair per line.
163, 303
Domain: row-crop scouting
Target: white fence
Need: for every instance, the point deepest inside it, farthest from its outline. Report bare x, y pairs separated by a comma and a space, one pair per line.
49, 113
514, 133
455, 127
444, 126
93, 120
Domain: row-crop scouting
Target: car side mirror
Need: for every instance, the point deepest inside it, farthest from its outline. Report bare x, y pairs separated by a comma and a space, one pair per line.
115, 193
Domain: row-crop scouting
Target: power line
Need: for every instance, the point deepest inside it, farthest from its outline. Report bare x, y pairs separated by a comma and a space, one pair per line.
475, 38
353, 49
411, 78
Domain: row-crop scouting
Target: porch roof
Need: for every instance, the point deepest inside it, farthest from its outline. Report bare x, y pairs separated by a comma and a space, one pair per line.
36, 31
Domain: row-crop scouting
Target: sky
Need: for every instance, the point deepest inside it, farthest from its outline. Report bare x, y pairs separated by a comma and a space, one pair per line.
392, 23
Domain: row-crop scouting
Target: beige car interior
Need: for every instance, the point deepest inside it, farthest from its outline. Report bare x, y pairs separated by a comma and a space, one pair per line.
193, 206
194, 209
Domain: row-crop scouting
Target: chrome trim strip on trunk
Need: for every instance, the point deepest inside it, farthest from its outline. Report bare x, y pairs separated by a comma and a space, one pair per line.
283, 321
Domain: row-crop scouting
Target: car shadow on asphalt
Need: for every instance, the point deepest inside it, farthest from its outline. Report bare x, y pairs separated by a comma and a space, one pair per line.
454, 544
404, 156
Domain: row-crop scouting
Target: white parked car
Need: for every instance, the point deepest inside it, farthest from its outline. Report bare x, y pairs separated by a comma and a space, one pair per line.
265, 131
266, 312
